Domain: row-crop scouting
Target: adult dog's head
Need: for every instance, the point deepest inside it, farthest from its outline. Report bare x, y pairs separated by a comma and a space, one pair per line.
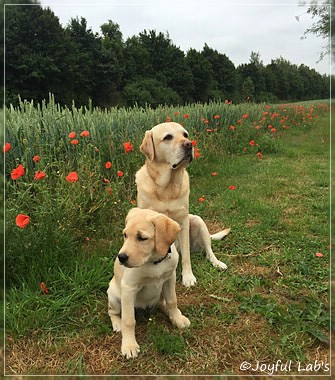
168, 143
147, 237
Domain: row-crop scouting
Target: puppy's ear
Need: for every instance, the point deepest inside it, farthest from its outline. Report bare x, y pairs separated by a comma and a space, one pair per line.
166, 231
147, 146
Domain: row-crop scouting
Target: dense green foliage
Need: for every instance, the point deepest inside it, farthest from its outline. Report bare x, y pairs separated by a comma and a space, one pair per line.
76, 64
56, 141
263, 170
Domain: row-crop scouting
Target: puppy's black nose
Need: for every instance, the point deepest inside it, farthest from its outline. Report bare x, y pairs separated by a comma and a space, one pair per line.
123, 257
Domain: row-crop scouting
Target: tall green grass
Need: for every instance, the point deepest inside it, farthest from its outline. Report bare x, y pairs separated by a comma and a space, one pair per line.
270, 304
63, 215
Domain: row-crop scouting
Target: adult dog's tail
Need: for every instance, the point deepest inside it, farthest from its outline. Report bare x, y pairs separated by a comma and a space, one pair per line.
220, 235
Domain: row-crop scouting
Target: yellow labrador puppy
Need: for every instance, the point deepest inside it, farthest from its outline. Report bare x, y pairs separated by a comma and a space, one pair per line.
163, 186
144, 274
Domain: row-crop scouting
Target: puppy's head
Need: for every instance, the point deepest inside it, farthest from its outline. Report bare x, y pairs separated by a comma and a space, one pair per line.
168, 143
147, 237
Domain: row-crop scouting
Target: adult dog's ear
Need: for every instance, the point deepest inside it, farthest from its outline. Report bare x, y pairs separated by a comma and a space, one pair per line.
166, 231
147, 146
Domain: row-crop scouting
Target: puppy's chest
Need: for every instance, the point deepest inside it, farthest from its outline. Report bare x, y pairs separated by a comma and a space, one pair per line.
151, 290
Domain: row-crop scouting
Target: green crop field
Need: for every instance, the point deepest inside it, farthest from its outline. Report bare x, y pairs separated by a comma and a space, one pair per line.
262, 170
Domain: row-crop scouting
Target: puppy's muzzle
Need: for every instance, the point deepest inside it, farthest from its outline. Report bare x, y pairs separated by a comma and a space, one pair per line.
123, 258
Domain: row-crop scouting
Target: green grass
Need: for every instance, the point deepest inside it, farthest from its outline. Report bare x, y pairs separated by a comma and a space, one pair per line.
271, 303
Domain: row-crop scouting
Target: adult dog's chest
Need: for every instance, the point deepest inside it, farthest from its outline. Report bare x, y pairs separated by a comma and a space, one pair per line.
167, 197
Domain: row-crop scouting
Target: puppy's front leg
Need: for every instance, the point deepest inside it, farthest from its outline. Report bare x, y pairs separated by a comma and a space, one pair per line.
129, 347
170, 304
184, 244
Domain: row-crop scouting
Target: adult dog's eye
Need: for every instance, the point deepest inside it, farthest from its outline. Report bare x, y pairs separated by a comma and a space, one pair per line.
125, 235
168, 137
141, 238
186, 134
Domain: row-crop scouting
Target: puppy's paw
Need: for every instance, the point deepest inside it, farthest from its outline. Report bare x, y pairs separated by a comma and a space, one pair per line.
189, 280
116, 322
130, 350
181, 322
117, 326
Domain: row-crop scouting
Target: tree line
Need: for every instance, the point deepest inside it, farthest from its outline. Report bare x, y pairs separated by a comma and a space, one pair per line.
76, 64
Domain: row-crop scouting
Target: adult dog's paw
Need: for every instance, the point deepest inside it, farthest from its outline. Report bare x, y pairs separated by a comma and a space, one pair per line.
220, 265
189, 280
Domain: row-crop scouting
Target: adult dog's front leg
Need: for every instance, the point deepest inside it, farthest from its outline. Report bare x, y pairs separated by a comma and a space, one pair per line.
184, 244
129, 347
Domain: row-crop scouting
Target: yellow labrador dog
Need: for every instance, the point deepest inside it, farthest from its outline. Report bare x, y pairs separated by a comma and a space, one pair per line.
144, 274
163, 186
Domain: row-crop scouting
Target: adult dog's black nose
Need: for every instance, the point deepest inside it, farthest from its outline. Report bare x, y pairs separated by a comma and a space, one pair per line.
123, 257
187, 145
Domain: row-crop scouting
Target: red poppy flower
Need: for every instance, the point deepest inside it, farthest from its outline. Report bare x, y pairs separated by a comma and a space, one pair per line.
232, 187
208, 130
108, 165
120, 173
110, 190
107, 180
259, 154
44, 288
22, 220
319, 254
72, 177
6, 148
36, 158
217, 117
196, 152
84, 134
39, 175
232, 128
186, 116
176, 113
245, 116
252, 142
194, 142
201, 199
214, 174
17, 172
75, 142
72, 135
128, 147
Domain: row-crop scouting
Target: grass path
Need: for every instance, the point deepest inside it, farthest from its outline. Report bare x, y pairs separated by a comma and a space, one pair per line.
271, 304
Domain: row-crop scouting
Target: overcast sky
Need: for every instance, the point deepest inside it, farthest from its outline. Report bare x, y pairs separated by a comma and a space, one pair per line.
233, 28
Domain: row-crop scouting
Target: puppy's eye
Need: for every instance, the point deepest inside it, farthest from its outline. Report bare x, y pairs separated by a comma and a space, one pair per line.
141, 238
186, 134
168, 138
125, 235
